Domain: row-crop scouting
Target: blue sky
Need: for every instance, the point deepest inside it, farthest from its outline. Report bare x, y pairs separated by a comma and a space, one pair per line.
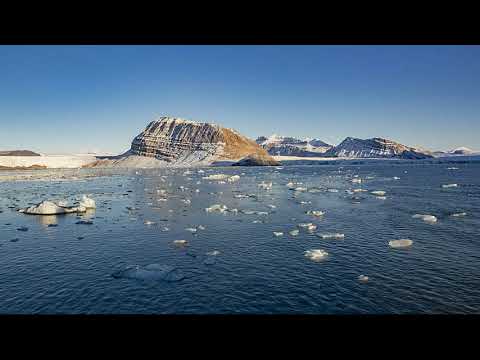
60, 99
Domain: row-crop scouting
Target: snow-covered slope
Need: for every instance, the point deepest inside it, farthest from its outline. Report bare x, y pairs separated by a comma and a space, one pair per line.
173, 142
376, 148
290, 146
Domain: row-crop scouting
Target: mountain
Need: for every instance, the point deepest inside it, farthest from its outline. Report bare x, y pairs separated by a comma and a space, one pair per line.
290, 146
171, 141
376, 148
461, 151
18, 153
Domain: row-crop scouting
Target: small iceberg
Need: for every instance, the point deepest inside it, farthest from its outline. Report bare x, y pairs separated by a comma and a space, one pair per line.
356, 181
294, 232
378, 193
402, 243
216, 208
233, 178
50, 208
449, 185
459, 214
362, 278
426, 218
180, 242
316, 254
315, 212
87, 202
331, 235
148, 222
278, 233
216, 177
192, 230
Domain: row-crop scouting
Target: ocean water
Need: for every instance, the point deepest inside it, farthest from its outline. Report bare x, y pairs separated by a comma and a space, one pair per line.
60, 266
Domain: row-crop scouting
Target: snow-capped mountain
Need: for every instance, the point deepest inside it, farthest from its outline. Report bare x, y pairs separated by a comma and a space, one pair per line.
290, 146
376, 148
462, 150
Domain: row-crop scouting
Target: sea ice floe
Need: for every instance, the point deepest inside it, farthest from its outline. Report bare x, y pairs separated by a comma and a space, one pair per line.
356, 181
332, 190
331, 235
452, 168
180, 242
150, 272
192, 230
148, 222
277, 233
315, 213
459, 214
300, 188
265, 185
294, 232
396, 178
213, 253
216, 208
216, 177
402, 243
233, 178
362, 278
427, 218
316, 254
449, 185
378, 193
50, 208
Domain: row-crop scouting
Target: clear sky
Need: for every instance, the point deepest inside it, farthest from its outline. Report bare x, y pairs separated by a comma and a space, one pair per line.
70, 99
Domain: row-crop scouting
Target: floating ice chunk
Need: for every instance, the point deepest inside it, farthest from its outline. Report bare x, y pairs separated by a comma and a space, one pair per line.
378, 193
216, 177
266, 186
248, 212
277, 233
148, 222
452, 168
192, 230
50, 208
233, 178
201, 227
396, 178
316, 190
197, 190
261, 212
272, 206
200, 171
180, 242
356, 181
217, 208
311, 227
186, 201
381, 197
62, 203
165, 228
304, 225
402, 243
294, 232
362, 278
316, 254
358, 190
426, 218
333, 190
459, 214
300, 188
87, 202
449, 185
331, 236
315, 212
213, 253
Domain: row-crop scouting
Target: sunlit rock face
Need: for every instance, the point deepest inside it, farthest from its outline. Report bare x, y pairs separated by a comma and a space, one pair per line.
376, 148
179, 141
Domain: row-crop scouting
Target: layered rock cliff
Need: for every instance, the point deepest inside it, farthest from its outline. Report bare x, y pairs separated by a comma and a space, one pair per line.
177, 142
376, 148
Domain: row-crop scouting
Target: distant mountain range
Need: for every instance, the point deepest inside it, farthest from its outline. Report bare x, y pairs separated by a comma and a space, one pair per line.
18, 153
290, 146
348, 148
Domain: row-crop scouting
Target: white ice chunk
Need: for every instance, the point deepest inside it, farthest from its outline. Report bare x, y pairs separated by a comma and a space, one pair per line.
87, 202
294, 232
277, 233
316, 254
331, 236
50, 208
402, 243
362, 278
427, 218
459, 214
449, 185
378, 193
315, 212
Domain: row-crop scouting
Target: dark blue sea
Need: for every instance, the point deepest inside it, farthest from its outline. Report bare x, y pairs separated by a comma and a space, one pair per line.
122, 258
